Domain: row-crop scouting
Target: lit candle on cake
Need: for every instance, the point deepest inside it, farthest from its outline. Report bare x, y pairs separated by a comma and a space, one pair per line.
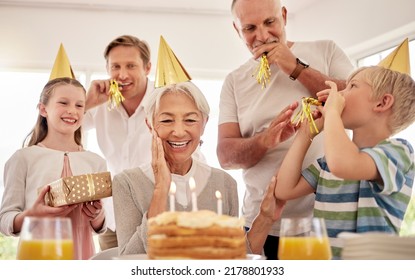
192, 186
219, 197
172, 193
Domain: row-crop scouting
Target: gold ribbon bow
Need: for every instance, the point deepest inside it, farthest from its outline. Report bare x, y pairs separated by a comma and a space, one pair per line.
263, 72
306, 113
115, 95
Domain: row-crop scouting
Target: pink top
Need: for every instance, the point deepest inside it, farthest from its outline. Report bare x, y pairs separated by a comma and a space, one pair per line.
81, 226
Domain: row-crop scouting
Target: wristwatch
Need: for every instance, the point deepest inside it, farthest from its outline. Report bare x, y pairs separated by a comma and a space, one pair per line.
301, 65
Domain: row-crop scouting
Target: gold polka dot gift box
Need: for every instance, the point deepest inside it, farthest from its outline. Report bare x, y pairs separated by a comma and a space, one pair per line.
77, 189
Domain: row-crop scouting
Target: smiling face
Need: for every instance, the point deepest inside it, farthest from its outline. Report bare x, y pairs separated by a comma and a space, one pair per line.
64, 110
180, 125
259, 21
126, 66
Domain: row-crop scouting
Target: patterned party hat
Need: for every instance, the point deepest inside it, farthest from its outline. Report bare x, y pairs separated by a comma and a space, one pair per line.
61, 67
398, 60
169, 69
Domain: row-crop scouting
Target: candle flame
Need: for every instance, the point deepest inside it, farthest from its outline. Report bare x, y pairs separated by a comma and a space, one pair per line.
218, 195
192, 184
172, 188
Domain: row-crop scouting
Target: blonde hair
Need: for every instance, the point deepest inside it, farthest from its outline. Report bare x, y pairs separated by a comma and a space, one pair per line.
40, 130
400, 85
187, 88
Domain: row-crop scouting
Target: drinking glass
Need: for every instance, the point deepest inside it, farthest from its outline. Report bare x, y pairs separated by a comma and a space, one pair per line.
46, 239
297, 242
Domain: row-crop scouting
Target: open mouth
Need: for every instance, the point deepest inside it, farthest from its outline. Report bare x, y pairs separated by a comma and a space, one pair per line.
122, 85
178, 145
71, 121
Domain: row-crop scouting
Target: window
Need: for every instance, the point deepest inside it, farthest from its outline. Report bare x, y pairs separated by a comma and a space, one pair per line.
20, 94
212, 89
377, 57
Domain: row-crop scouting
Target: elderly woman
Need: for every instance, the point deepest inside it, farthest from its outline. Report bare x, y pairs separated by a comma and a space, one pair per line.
177, 116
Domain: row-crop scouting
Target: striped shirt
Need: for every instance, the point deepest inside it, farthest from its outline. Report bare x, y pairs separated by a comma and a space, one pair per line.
362, 206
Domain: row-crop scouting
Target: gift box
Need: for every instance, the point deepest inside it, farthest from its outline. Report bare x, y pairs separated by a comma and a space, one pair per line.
78, 189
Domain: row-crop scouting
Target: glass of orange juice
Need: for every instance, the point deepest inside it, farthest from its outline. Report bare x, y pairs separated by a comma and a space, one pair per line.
303, 239
45, 238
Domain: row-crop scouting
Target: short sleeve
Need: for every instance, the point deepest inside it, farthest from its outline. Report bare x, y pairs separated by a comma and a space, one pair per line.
394, 160
228, 112
313, 172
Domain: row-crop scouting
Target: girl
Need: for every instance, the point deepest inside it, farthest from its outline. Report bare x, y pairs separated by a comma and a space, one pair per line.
53, 150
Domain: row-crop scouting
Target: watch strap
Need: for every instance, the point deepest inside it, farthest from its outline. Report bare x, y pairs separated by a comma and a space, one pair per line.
300, 67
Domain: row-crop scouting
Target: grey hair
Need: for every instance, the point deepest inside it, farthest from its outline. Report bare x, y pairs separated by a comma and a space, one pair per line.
188, 88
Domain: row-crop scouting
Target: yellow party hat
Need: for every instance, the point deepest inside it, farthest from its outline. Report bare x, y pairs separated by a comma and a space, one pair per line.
398, 60
169, 69
61, 67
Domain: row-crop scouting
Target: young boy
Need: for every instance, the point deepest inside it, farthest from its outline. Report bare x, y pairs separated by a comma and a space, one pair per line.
364, 183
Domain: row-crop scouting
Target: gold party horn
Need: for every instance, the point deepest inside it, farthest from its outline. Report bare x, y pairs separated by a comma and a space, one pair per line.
306, 113
115, 96
263, 72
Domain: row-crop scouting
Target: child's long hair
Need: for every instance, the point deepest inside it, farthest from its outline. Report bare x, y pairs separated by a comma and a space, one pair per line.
40, 130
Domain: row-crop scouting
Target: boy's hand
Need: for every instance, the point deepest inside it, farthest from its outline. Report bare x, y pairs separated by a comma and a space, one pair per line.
304, 128
334, 100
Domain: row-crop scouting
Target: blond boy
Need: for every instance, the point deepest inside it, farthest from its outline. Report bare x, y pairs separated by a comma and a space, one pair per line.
364, 183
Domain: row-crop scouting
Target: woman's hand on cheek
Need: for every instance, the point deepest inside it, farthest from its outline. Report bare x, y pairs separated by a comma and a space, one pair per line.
161, 169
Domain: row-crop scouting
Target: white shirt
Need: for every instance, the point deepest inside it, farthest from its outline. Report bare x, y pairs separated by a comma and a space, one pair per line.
124, 141
200, 172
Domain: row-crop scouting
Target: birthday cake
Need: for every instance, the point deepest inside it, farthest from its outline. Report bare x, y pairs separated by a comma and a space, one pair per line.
195, 235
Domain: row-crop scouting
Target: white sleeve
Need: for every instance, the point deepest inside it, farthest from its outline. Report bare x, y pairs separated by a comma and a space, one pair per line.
228, 110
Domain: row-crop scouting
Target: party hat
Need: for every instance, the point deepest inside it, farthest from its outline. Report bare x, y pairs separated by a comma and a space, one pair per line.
61, 67
398, 60
169, 69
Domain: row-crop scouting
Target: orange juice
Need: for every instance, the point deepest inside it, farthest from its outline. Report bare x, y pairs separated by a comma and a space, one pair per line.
304, 248
45, 250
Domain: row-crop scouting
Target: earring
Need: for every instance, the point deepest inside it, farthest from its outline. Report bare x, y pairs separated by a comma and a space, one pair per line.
201, 142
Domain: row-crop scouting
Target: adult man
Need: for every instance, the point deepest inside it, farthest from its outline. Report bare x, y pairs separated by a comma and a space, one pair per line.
254, 122
122, 134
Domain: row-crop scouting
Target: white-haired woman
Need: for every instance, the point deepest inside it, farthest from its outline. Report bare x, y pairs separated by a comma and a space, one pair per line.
177, 116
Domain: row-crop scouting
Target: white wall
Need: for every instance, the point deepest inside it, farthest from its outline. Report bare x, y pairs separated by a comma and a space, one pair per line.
360, 27
31, 36
206, 45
